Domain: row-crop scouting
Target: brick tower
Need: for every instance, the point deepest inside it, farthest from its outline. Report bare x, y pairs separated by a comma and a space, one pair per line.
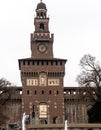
42, 75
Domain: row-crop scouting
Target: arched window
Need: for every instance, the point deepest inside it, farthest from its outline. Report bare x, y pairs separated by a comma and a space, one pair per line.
37, 14
43, 110
41, 26
41, 14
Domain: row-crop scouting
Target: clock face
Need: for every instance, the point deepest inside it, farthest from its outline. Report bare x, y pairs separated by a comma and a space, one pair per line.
42, 48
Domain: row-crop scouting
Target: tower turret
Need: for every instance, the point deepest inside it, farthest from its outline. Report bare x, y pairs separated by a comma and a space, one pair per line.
42, 75
41, 10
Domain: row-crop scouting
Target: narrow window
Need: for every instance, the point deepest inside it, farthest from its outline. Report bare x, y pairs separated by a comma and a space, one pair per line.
61, 63
28, 92
42, 62
37, 62
33, 63
51, 63
28, 62
41, 26
23, 62
50, 92
35, 92
41, 14
57, 92
56, 63
47, 62
42, 91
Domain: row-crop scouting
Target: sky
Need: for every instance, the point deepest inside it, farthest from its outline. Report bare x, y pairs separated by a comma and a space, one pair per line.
76, 25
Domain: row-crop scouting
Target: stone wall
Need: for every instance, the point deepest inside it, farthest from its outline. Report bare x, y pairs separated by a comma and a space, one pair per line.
73, 126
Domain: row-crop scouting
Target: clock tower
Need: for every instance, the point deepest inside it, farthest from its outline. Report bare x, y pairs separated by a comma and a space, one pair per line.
42, 75
41, 39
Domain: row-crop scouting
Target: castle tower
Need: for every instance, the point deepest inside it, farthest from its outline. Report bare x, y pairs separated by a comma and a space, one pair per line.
42, 75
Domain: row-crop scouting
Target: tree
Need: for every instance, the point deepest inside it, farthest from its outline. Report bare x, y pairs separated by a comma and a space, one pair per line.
90, 79
94, 113
4, 84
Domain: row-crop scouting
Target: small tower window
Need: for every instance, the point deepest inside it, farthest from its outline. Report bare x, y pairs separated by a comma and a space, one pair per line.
50, 92
28, 92
45, 15
35, 92
38, 15
57, 92
42, 26
41, 14
42, 91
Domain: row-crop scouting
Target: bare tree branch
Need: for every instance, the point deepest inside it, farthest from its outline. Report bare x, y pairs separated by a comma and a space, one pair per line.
90, 76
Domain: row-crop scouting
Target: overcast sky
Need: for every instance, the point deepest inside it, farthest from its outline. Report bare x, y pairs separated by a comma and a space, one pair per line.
76, 25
